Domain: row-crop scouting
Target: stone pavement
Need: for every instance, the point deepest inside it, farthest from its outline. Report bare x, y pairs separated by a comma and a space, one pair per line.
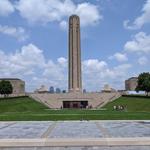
75, 135
83, 148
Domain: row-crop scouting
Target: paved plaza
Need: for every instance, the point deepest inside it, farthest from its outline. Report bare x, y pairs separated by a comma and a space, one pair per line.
79, 135
74, 129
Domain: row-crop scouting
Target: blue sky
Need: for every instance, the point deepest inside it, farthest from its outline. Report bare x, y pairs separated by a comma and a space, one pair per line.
115, 41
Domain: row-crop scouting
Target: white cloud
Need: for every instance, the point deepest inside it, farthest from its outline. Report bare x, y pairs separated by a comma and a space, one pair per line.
62, 61
29, 64
93, 65
6, 8
141, 20
143, 60
88, 13
139, 43
63, 25
21, 63
29, 56
121, 70
52, 74
17, 32
119, 57
96, 73
45, 11
56, 69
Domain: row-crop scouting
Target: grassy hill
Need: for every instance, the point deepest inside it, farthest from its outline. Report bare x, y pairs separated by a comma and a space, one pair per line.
20, 104
133, 104
25, 108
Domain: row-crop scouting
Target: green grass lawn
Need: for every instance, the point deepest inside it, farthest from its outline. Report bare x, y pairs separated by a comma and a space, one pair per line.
136, 104
25, 108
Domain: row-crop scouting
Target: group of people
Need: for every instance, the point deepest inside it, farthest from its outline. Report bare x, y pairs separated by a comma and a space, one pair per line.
119, 107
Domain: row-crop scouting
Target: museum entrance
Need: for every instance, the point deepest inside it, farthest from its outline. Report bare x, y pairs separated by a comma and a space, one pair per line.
75, 104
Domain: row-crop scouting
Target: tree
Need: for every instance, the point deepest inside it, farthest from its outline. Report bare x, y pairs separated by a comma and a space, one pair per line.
5, 88
144, 82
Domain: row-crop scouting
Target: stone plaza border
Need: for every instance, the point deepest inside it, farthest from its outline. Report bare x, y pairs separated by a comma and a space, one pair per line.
75, 142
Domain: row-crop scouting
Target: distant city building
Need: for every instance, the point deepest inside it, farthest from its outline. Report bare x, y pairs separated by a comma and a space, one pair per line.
131, 84
17, 84
84, 90
51, 89
42, 89
63, 91
58, 90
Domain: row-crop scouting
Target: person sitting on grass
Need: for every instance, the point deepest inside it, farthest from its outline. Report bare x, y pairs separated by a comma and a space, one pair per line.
119, 107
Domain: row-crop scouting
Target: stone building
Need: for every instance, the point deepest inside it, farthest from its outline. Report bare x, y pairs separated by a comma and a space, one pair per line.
107, 88
131, 84
18, 86
42, 89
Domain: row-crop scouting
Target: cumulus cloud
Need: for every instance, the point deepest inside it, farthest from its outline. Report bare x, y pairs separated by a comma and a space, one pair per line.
55, 69
143, 60
63, 25
93, 65
139, 43
89, 14
62, 61
17, 32
22, 62
27, 60
96, 73
6, 8
30, 64
45, 11
119, 57
142, 19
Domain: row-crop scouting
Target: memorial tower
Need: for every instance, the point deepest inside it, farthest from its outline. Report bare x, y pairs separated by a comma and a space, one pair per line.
74, 73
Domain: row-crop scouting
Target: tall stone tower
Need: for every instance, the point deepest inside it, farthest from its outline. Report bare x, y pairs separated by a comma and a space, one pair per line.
75, 82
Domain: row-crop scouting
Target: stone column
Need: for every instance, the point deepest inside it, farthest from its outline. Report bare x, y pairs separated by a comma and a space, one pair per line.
75, 82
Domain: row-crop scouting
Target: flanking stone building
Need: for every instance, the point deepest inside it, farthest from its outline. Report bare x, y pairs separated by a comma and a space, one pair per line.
18, 86
131, 84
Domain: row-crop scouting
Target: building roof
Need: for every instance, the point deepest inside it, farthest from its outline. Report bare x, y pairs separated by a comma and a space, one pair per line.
74, 15
133, 78
43, 88
9, 79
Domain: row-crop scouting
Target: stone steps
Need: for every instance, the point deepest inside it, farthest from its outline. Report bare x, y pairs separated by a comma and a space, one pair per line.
55, 101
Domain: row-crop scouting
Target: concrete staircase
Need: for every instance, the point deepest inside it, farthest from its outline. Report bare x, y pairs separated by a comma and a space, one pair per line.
55, 101
40, 98
108, 99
